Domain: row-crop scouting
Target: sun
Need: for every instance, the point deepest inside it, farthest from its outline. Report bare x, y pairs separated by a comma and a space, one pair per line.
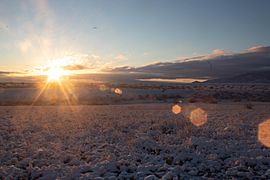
55, 73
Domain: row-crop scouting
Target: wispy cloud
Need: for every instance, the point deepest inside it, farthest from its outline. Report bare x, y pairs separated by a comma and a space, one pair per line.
218, 51
259, 49
146, 53
74, 67
121, 57
36, 36
11, 73
25, 46
74, 63
3, 26
7, 72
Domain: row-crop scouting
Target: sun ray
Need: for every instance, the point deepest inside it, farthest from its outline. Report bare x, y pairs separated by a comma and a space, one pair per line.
40, 93
55, 74
65, 93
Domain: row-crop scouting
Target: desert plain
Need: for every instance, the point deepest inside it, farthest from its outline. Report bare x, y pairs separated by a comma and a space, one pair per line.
174, 139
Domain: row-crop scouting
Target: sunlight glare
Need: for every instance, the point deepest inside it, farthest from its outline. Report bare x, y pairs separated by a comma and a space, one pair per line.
55, 73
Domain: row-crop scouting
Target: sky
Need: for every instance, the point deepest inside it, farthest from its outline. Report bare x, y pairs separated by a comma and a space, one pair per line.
100, 34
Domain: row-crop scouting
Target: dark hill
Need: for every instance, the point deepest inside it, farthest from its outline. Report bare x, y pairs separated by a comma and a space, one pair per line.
252, 77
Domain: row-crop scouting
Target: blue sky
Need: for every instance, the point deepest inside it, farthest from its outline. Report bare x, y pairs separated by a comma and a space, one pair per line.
128, 32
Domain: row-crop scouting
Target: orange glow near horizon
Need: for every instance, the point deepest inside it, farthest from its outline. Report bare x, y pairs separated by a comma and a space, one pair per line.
59, 92
55, 73
56, 89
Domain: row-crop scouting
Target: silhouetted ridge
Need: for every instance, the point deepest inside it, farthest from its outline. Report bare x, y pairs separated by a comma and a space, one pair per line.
252, 77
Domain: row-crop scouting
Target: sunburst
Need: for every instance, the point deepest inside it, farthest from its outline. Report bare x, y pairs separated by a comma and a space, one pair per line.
57, 82
55, 73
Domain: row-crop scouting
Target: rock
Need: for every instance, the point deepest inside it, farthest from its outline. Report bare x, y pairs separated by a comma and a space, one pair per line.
214, 166
99, 178
142, 174
48, 174
147, 168
169, 160
110, 174
75, 175
160, 174
167, 176
177, 170
251, 162
85, 169
124, 175
36, 173
150, 177
232, 172
245, 175
111, 178
193, 172
139, 175
267, 173
212, 157
74, 162
112, 167
24, 163
148, 145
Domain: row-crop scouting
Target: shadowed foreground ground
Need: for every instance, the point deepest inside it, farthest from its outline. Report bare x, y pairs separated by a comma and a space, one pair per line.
134, 142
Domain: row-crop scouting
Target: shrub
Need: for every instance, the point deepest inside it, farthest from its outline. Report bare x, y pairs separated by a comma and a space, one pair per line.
192, 100
209, 99
249, 106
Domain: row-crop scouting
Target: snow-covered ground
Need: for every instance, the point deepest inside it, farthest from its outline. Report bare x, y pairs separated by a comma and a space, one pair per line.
135, 142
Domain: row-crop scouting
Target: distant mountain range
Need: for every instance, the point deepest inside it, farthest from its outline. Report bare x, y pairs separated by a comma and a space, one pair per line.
252, 77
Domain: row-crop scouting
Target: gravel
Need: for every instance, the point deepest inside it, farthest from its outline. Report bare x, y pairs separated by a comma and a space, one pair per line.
145, 142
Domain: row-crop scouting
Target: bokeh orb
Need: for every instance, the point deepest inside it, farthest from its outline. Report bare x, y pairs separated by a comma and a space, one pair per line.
118, 91
176, 109
198, 117
103, 88
264, 133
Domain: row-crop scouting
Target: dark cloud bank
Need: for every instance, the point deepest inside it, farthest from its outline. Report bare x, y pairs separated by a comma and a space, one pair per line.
7, 72
214, 66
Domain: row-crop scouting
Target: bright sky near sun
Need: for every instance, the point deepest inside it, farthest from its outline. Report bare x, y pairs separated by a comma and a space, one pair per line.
125, 32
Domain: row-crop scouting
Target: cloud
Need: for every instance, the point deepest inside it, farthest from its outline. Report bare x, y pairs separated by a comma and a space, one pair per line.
7, 72
208, 66
218, 51
36, 37
146, 53
73, 67
3, 26
11, 73
259, 49
25, 46
73, 62
121, 57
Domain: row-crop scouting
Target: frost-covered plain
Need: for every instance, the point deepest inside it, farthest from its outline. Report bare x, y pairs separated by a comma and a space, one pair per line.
133, 142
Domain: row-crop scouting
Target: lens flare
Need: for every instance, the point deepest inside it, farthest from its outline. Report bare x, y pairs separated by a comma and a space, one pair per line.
103, 88
198, 117
264, 133
118, 91
176, 109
